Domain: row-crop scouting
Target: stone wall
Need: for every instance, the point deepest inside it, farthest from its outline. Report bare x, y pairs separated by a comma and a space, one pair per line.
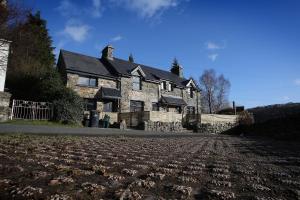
215, 118
165, 116
148, 94
195, 101
163, 126
214, 128
90, 92
4, 106
134, 119
213, 123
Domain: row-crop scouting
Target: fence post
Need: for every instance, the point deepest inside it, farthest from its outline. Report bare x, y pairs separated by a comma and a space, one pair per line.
33, 110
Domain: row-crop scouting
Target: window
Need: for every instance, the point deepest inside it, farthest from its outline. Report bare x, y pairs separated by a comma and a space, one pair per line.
178, 109
191, 92
118, 85
90, 104
136, 106
155, 106
136, 83
86, 81
164, 85
190, 110
110, 106
172, 87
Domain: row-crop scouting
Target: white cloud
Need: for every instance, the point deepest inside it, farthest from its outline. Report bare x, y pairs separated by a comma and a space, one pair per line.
148, 8
117, 38
66, 8
213, 56
76, 32
297, 82
69, 9
213, 46
285, 98
97, 8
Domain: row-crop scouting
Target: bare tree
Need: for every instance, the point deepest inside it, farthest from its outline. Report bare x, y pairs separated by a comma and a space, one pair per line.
223, 86
215, 91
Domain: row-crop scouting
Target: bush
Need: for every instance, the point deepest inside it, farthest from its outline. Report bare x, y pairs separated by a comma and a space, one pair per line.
245, 118
69, 107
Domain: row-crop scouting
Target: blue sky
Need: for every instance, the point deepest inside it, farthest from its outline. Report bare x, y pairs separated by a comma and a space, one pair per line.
254, 43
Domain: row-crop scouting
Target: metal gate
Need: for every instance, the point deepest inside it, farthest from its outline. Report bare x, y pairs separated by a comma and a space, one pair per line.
31, 110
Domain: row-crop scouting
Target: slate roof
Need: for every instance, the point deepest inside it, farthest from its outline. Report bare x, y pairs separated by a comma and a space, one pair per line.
114, 68
175, 101
153, 74
85, 64
110, 93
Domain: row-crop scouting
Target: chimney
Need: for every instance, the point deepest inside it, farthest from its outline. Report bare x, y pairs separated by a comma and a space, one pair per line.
107, 52
177, 69
234, 107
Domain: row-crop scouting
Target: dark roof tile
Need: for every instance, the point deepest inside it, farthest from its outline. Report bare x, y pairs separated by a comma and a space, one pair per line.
173, 101
83, 63
110, 93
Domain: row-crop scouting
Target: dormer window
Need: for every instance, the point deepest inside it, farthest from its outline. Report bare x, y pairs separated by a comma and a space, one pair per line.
164, 85
136, 83
87, 81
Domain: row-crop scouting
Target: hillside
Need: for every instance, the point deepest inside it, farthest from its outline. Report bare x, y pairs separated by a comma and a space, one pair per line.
279, 121
277, 111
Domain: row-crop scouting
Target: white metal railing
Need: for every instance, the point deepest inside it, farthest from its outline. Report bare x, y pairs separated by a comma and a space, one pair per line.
31, 110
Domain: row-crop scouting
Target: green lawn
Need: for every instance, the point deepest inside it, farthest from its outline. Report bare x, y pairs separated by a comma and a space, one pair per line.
39, 123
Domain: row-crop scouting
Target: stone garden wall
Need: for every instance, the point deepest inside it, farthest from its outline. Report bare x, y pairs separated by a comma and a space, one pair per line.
163, 126
4, 106
215, 128
214, 118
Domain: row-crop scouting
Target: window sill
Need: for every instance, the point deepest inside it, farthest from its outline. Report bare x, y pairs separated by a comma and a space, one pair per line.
87, 86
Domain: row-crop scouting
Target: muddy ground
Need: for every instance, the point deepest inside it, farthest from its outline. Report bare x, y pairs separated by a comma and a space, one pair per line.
205, 167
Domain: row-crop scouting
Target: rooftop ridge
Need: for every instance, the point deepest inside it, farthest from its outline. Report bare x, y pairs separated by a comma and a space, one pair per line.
132, 63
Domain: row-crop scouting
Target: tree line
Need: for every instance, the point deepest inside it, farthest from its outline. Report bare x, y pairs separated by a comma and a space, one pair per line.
31, 72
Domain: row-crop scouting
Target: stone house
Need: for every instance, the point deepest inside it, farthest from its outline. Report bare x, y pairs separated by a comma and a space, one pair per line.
126, 90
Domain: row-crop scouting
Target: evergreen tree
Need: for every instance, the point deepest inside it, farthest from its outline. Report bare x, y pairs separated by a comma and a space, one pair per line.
31, 58
175, 62
31, 47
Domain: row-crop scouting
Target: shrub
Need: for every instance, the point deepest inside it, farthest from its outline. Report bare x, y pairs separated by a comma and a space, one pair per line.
245, 118
69, 107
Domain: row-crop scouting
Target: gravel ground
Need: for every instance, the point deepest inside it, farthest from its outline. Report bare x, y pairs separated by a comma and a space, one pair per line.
203, 167
86, 131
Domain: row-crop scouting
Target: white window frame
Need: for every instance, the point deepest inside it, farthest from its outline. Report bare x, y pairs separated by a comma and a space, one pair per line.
135, 82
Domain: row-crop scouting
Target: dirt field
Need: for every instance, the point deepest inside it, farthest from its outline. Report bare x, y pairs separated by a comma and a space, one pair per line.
206, 167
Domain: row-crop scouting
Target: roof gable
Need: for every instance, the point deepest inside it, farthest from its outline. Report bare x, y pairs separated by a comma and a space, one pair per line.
138, 71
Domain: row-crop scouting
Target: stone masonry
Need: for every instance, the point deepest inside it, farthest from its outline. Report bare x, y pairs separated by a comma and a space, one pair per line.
4, 106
